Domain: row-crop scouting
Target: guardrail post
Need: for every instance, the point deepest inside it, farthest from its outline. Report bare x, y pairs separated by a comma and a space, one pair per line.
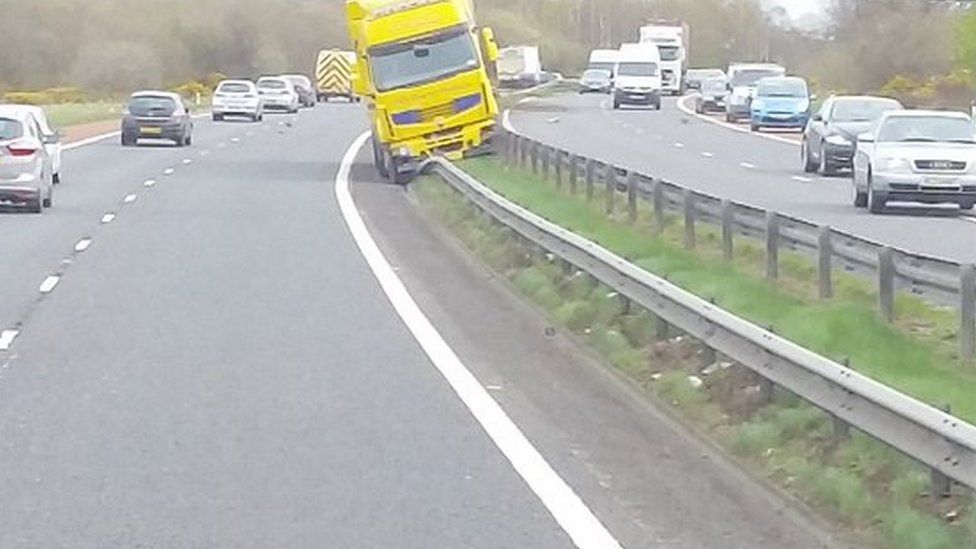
513, 151
967, 311
546, 157
766, 388
525, 150
941, 484
688, 203
625, 304
631, 197
825, 253
659, 203
573, 173
661, 328
728, 230
772, 246
707, 356
886, 283
558, 164
610, 180
590, 176
842, 429
535, 158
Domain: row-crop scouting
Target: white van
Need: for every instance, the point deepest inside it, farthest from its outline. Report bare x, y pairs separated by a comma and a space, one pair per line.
603, 60
637, 76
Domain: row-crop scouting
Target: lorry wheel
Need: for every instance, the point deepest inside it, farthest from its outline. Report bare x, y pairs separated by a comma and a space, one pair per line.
379, 159
616, 104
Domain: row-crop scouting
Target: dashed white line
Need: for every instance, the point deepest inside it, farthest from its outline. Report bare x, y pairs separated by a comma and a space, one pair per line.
221, 145
679, 145
49, 284
235, 139
801, 179
204, 152
7, 338
129, 198
707, 155
168, 171
565, 506
747, 165
108, 218
149, 183
187, 161
83, 244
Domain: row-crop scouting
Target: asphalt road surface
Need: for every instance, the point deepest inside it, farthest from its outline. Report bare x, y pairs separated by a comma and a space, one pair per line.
747, 168
203, 358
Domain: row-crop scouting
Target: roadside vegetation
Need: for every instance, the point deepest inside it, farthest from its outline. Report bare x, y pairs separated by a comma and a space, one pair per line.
856, 481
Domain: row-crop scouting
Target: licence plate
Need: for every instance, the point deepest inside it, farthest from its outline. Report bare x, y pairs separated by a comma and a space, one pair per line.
947, 182
151, 131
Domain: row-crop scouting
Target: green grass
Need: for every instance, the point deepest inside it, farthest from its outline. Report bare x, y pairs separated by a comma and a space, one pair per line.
919, 363
71, 114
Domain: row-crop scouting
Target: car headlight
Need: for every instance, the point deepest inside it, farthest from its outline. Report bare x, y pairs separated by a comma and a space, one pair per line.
838, 139
893, 164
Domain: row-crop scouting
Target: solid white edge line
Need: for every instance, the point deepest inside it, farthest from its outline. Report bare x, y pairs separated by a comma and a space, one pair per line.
691, 112
49, 284
101, 137
569, 511
83, 244
149, 183
129, 198
747, 165
7, 338
108, 218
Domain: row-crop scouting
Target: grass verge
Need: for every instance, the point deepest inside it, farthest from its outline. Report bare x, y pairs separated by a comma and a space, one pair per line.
71, 114
855, 480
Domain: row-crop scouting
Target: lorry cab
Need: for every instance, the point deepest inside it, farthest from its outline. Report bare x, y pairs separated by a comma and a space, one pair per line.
637, 76
422, 69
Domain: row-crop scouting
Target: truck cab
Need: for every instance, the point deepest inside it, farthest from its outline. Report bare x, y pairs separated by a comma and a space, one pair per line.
671, 39
637, 76
422, 68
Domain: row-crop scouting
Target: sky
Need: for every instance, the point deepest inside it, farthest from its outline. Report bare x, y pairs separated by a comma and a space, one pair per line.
804, 12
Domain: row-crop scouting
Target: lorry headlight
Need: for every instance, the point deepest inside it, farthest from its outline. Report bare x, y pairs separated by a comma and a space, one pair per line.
403, 151
467, 102
893, 164
407, 117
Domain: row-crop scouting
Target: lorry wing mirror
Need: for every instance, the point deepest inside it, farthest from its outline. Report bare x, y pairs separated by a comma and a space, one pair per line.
357, 83
491, 47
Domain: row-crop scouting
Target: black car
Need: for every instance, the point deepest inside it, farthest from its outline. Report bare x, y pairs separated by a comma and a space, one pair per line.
712, 95
596, 81
695, 77
156, 115
306, 91
831, 133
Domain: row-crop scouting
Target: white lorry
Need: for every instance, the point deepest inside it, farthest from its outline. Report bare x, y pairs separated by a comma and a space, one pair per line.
519, 66
671, 39
637, 76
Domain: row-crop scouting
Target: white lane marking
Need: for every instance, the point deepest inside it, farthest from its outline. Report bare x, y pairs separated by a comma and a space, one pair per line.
129, 198
679, 145
85, 142
83, 244
107, 218
187, 161
204, 152
221, 145
569, 511
747, 165
149, 183
968, 218
7, 338
168, 171
49, 284
707, 155
801, 179
235, 139
691, 112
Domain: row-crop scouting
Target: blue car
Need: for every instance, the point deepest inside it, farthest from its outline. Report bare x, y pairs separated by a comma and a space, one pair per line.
781, 102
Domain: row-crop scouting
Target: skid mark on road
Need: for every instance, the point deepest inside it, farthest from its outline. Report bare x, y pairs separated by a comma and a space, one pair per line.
569, 511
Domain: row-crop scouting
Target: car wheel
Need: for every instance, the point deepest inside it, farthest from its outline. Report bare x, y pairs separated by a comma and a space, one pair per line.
968, 205
56, 179
218, 117
826, 168
47, 202
754, 127
730, 118
808, 165
859, 198
616, 104
876, 200
657, 106
36, 206
128, 140
189, 139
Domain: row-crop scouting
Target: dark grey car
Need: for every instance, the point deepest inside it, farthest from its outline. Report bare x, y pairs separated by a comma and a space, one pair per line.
711, 97
595, 81
831, 133
156, 115
306, 91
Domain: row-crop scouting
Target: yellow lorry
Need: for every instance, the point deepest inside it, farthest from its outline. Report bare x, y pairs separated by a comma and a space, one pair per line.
423, 69
333, 74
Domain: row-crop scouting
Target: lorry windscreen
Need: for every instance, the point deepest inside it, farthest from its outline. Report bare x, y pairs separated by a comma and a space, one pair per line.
413, 63
669, 53
749, 77
637, 69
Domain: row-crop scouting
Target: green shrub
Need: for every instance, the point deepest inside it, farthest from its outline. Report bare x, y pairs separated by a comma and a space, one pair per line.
754, 439
844, 490
908, 529
675, 386
576, 315
25, 98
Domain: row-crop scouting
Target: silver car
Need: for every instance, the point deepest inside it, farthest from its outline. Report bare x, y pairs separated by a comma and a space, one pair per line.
25, 164
916, 156
278, 93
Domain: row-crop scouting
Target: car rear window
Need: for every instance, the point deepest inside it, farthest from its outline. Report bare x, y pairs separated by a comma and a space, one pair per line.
234, 87
272, 84
149, 105
10, 129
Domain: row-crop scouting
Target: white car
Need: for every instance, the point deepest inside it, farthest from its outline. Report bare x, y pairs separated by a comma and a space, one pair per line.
26, 174
916, 156
237, 98
52, 140
279, 93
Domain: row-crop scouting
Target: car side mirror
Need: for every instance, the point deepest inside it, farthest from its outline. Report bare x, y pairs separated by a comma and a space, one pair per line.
865, 138
52, 138
817, 118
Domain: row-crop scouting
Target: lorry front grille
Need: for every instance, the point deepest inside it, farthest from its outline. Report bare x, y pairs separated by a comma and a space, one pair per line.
437, 111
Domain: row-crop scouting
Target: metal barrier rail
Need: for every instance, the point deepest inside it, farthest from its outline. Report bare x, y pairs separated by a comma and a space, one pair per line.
944, 443
938, 281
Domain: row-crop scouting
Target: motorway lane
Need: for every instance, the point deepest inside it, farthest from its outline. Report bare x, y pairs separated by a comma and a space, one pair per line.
729, 164
220, 369
96, 180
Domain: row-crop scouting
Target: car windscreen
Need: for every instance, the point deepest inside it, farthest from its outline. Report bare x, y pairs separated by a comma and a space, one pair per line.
272, 84
862, 110
596, 75
749, 77
234, 87
152, 105
413, 63
637, 69
925, 129
714, 86
669, 53
10, 129
598, 66
782, 88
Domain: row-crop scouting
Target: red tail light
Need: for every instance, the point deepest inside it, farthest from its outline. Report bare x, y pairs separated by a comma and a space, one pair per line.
21, 150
